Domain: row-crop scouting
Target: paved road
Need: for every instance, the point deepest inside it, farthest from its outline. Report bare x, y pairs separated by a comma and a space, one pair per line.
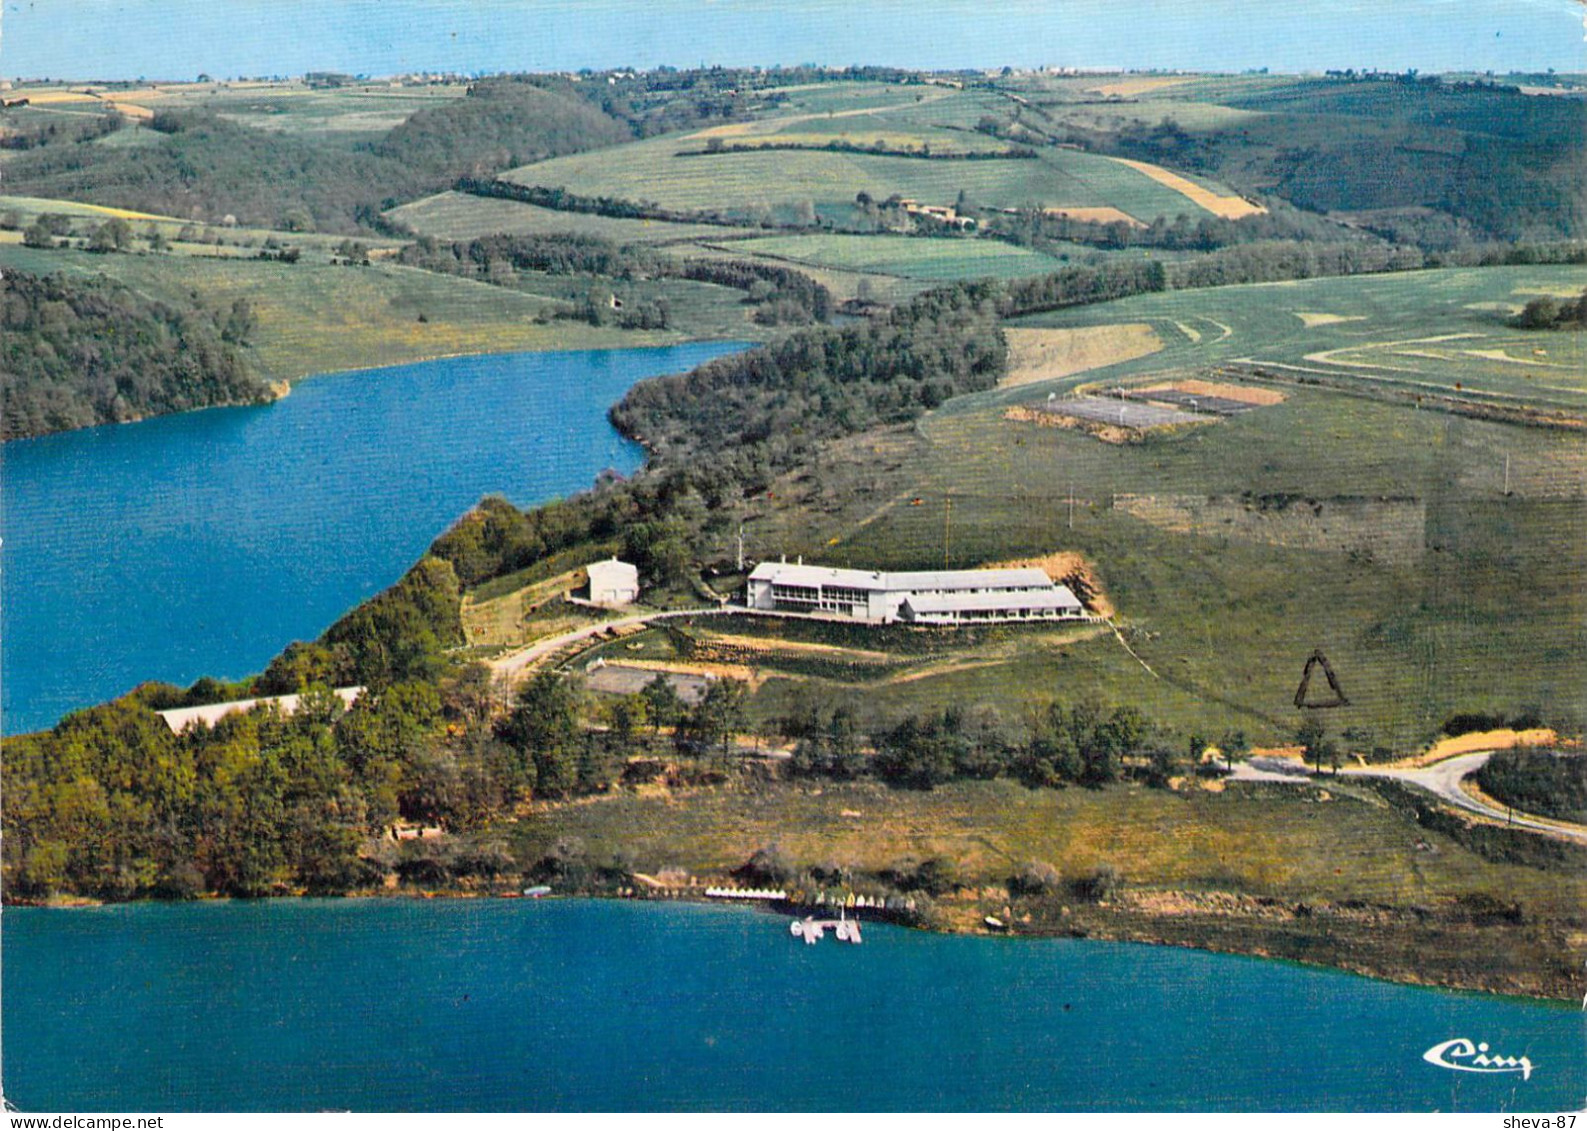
515, 662
1441, 779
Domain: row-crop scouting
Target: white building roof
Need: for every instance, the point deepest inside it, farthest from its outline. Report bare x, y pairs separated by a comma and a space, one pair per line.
1056, 598
789, 573
178, 718
970, 579
613, 570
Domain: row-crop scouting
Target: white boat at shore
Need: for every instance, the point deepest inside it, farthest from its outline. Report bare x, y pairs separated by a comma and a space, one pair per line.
812, 929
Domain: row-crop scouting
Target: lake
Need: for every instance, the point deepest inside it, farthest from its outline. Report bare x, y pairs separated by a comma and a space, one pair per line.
392, 1004
204, 543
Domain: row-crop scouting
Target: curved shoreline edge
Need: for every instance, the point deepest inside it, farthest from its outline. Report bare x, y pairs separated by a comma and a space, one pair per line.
1245, 941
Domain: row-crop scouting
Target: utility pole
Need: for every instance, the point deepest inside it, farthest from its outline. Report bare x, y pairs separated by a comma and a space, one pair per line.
947, 518
1071, 506
741, 547
1507, 474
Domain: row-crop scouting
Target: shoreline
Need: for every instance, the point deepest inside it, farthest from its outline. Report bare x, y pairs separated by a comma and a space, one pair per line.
1242, 936
279, 388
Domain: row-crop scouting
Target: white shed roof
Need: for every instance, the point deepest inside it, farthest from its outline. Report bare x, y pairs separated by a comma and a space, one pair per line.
613, 570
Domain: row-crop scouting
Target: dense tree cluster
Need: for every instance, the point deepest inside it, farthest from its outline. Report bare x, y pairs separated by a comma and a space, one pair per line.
561, 200
820, 383
22, 128
1079, 286
922, 152
1548, 313
207, 166
1042, 230
496, 258
1282, 260
78, 352
502, 122
1086, 744
404, 632
1478, 154
112, 804
1549, 783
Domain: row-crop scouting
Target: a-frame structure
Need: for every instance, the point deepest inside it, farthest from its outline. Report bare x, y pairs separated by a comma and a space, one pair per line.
1316, 660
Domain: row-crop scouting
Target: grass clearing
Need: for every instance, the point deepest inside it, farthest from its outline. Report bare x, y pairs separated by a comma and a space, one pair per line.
1228, 206
754, 183
500, 620
1311, 319
30, 206
461, 216
1130, 87
1411, 327
904, 256
1285, 843
1041, 355
315, 318
1096, 216
1474, 603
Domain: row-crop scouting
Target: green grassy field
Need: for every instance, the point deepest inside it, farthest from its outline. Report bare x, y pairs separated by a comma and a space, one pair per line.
459, 216
1490, 613
909, 257
751, 182
1479, 608
360, 112
1437, 329
1285, 843
360, 108
236, 241
773, 180
316, 318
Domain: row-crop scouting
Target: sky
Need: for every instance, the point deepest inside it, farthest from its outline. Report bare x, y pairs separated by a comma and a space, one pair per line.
178, 39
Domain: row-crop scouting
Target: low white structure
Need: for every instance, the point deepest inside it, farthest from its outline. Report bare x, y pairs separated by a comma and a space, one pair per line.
956, 596
613, 582
180, 718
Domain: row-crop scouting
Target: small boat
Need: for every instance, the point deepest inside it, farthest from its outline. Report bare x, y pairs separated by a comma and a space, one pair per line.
539, 891
812, 929
995, 923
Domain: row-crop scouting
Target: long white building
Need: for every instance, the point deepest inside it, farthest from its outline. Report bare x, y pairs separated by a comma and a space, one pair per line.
950, 596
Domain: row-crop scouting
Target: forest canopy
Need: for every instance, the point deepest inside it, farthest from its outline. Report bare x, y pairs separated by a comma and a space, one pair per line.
78, 352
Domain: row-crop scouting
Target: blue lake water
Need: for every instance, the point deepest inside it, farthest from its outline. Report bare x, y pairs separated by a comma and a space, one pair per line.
583, 1005
201, 544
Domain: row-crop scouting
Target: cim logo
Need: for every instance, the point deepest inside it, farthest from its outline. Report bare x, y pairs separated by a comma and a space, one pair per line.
1464, 1056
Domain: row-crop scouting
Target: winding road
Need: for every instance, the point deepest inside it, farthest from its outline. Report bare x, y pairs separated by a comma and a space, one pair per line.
513, 663
1441, 779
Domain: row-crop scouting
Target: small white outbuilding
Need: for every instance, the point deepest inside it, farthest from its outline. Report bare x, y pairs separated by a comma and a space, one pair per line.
613, 582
